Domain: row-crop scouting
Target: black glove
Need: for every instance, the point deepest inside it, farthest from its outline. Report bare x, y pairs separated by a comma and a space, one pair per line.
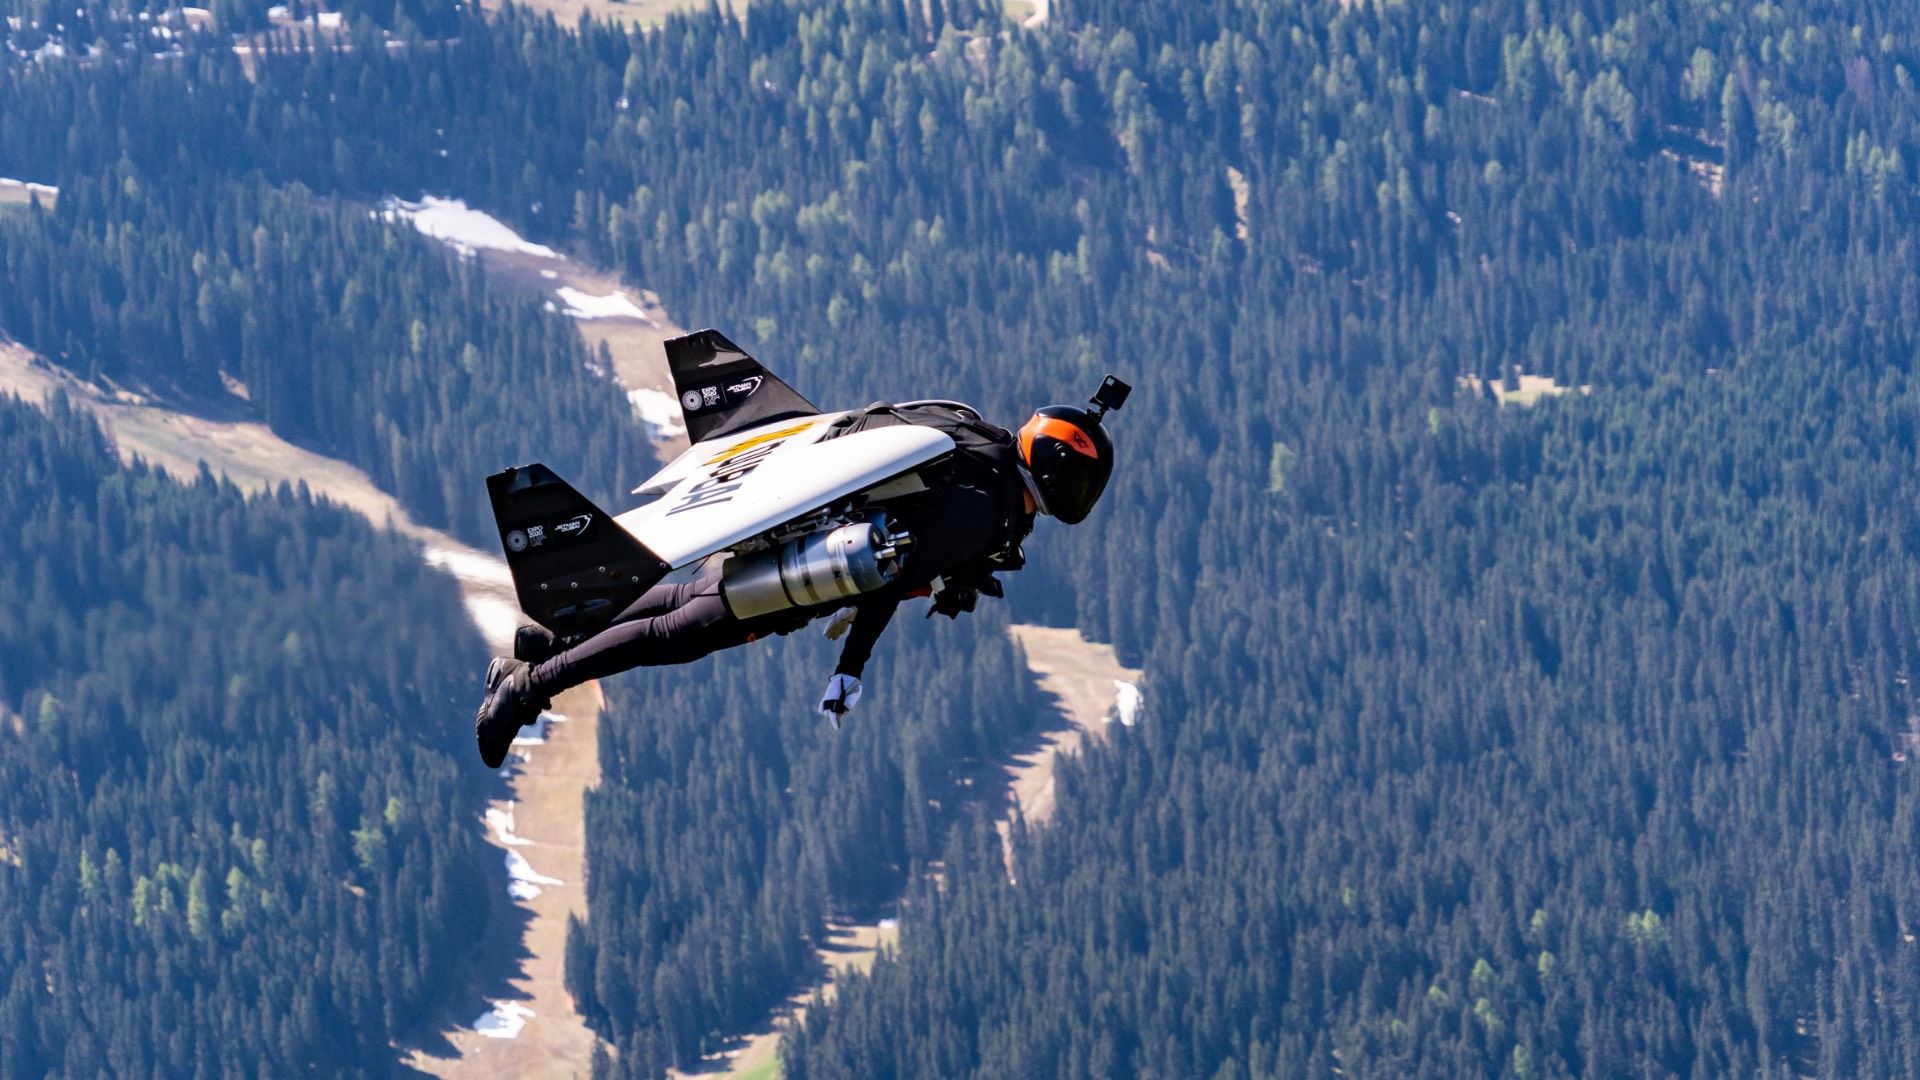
961, 594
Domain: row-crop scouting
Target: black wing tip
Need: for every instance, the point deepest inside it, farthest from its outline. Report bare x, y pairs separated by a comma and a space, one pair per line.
700, 347
574, 566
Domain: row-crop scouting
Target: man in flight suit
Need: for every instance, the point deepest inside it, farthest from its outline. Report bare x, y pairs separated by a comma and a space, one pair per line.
979, 505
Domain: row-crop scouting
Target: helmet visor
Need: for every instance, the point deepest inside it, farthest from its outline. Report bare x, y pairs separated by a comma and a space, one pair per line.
1073, 485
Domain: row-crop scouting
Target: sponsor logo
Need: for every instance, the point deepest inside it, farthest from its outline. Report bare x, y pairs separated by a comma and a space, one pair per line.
516, 541
731, 469
709, 396
536, 535
574, 526
691, 401
745, 387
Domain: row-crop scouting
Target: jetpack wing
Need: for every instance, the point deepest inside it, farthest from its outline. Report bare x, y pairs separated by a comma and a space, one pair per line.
728, 490
574, 568
724, 391
762, 457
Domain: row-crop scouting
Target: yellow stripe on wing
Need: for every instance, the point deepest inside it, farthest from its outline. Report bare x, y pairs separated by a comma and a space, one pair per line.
745, 445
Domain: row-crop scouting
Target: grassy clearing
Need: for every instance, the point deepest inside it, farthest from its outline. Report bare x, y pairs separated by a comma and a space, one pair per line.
636, 346
755, 1055
766, 1070
18, 196
1080, 675
528, 937
628, 12
527, 940
1531, 389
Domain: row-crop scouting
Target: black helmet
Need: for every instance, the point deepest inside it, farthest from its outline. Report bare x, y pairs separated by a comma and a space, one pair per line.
1070, 457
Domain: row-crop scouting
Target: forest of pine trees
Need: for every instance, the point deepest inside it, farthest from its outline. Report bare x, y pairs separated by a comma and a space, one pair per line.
1564, 740
234, 839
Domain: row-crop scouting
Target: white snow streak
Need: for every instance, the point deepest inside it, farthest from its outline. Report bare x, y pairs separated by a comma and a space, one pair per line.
489, 595
659, 411
32, 188
614, 305
535, 734
1127, 702
501, 822
467, 230
504, 1020
525, 881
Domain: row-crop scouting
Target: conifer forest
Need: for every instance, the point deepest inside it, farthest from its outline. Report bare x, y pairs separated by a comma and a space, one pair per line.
1516, 519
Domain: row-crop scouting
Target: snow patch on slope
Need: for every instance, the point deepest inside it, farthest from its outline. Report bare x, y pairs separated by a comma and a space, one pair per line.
501, 822
488, 589
535, 734
659, 411
614, 305
29, 186
465, 229
1127, 702
525, 881
504, 1020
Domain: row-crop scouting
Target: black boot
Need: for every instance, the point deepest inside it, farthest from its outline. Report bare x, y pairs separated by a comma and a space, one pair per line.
510, 705
535, 644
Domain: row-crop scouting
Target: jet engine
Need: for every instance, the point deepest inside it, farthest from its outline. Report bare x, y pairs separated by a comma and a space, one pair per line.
817, 568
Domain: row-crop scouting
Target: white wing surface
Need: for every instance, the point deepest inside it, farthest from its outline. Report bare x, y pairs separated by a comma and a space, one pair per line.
729, 489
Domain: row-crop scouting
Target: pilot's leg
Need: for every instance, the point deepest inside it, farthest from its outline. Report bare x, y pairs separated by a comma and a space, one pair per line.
687, 622
534, 643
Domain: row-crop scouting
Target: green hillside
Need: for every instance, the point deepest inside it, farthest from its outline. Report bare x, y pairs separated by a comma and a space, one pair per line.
1571, 739
234, 839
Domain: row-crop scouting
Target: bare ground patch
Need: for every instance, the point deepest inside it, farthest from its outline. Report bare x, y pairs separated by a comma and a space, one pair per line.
850, 946
1527, 389
642, 13
635, 344
18, 194
542, 785
1082, 676
542, 802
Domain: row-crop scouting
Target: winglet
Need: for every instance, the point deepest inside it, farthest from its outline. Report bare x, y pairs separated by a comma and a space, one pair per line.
723, 390
574, 568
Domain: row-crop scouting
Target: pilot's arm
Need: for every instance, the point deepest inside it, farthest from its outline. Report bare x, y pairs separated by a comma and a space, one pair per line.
871, 613
961, 527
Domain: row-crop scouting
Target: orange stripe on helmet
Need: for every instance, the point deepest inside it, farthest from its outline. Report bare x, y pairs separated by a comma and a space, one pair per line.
1056, 428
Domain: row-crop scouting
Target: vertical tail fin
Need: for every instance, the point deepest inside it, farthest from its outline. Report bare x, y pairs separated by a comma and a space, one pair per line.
723, 390
574, 568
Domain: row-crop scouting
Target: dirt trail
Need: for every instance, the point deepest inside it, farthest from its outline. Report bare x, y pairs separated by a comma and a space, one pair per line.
755, 1055
256, 459
539, 820
1085, 678
548, 780
544, 782
518, 1019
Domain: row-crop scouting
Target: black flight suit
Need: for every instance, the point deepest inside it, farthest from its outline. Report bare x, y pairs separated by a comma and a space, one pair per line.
968, 523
